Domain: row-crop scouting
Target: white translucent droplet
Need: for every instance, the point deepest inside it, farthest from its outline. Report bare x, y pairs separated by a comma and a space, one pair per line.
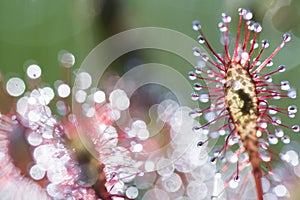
209, 116
149, 166
197, 190
197, 86
34, 116
233, 140
15, 87
205, 57
285, 85
272, 110
255, 46
61, 107
165, 167
47, 133
285, 139
204, 98
192, 76
195, 96
32, 100
201, 63
143, 134
136, 148
196, 25
139, 124
22, 106
132, 192
296, 128
292, 93
281, 68
234, 158
279, 133
292, 157
286, 37
118, 99
265, 156
42, 154
83, 80
265, 44
63, 90
196, 51
67, 59
34, 71
99, 97
122, 103
80, 96
272, 139
222, 27
52, 189
48, 93
269, 79
90, 112
257, 27
226, 18
270, 63
172, 183
280, 190
233, 184
247, 15
36, 172
245, 55
291, 115
131, 133
258, 133
115, 114
264, 125
201, 39
57, 173
292, 109
250, 25
34, 139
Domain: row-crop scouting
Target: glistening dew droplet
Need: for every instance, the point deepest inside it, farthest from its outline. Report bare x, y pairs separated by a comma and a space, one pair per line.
34, 71
66, 59
15, 87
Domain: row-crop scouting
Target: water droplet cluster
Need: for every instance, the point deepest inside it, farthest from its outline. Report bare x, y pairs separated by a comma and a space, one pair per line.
179, 171
58, 156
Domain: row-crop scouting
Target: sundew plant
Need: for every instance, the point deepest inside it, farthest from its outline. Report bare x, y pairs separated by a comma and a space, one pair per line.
240, 91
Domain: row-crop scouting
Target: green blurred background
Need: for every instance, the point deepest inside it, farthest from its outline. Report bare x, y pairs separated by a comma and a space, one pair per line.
39, 29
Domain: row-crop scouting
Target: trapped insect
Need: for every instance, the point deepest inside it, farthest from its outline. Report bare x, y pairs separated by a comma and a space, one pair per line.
239, 89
